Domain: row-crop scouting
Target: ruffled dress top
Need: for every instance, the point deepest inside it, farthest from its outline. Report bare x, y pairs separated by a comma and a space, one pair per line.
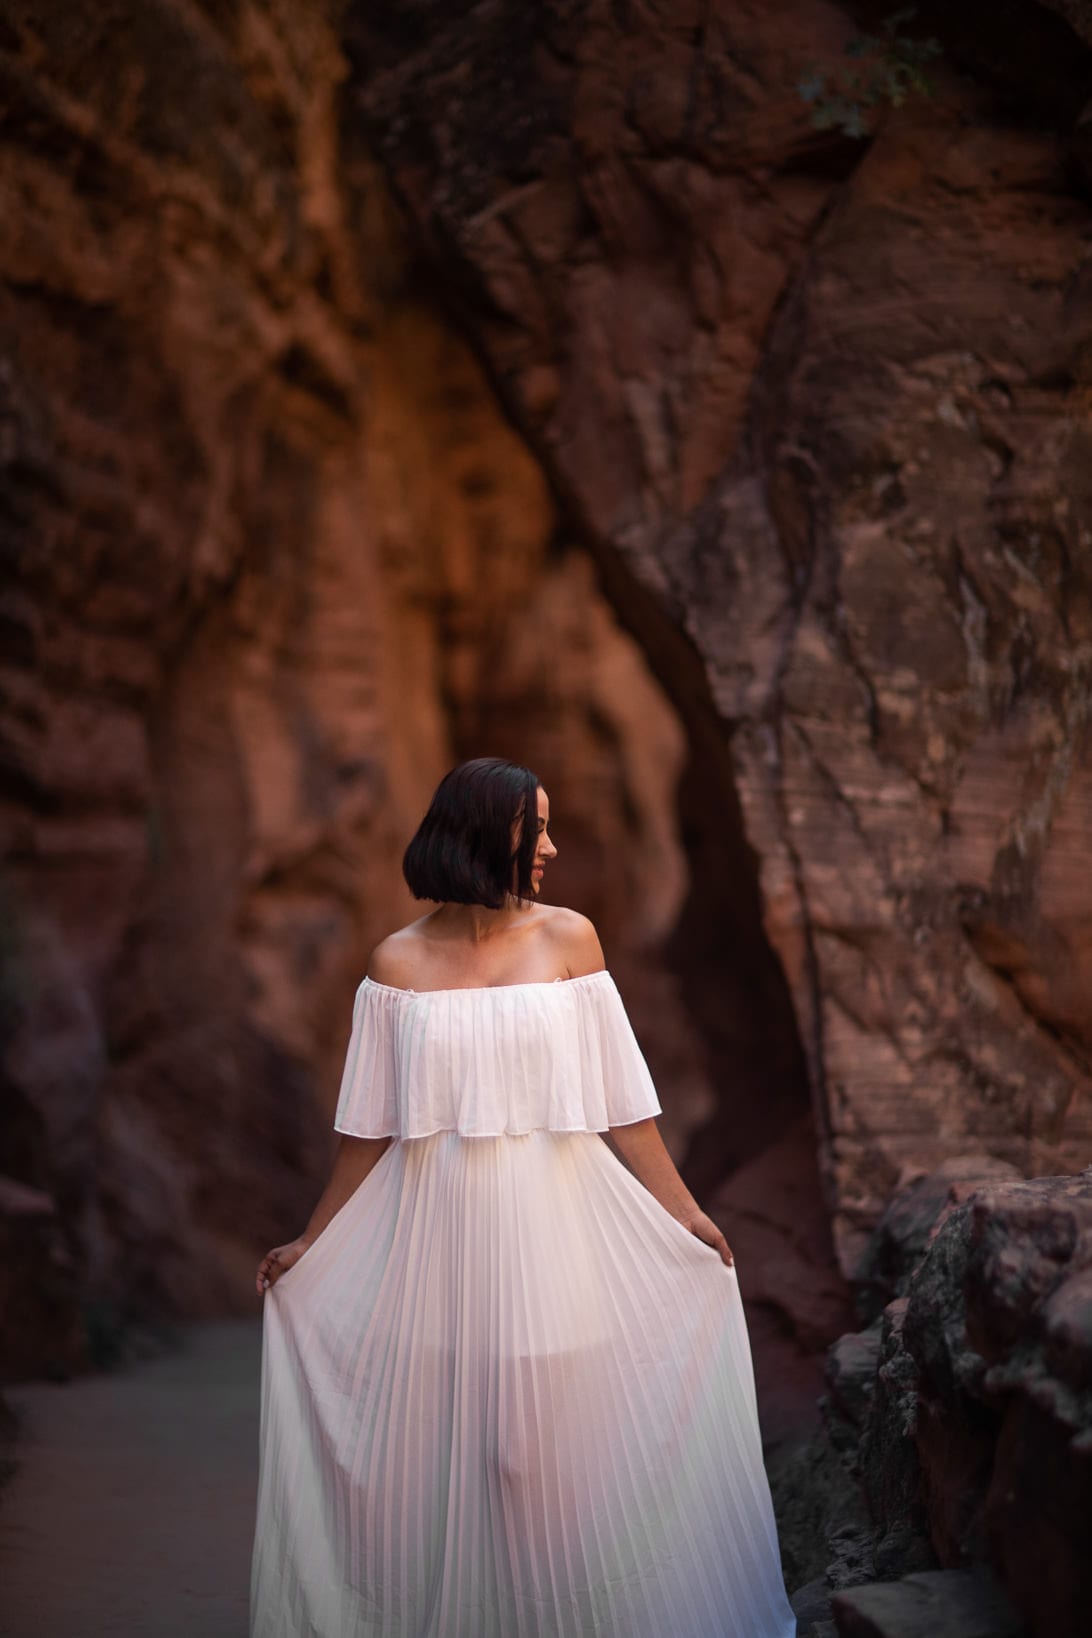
496, 1062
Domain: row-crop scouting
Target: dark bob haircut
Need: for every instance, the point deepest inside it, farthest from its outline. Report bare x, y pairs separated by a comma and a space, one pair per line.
462, 852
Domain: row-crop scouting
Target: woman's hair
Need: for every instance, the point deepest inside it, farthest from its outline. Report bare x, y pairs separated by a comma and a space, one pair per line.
463, 851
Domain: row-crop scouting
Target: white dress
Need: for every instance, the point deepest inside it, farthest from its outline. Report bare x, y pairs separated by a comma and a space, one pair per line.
505, 1394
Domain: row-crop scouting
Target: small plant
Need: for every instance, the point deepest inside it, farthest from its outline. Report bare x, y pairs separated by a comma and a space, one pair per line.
889, 68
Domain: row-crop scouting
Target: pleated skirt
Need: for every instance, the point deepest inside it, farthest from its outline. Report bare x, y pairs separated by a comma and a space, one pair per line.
505, 1394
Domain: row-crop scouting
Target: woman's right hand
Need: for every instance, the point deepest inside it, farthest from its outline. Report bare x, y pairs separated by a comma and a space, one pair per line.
278, 1262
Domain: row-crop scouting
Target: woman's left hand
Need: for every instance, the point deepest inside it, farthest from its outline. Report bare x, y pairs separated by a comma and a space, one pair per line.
705, 1229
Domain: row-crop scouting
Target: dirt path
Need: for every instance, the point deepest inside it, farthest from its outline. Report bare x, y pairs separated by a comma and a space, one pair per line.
132, 1510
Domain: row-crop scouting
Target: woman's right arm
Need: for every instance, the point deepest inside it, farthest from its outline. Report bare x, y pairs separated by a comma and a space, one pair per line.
354, 1160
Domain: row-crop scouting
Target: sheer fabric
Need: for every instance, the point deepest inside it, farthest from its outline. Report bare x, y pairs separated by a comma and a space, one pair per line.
485, 1062
505, 1394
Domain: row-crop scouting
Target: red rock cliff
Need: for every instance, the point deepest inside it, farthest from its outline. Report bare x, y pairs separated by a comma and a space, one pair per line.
273, 559
297, 511
821, 406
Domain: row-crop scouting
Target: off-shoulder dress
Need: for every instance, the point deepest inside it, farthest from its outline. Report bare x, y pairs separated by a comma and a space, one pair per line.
505, 1394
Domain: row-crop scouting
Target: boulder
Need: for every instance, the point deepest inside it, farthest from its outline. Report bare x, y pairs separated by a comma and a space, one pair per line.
973, 1440
1029, 1316
911, 1218
811, 1606
932, 1604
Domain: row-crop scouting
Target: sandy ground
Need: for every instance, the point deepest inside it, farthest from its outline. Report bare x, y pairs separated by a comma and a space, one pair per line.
132, 1510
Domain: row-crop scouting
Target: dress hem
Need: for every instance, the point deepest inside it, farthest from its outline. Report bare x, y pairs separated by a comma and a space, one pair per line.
508, 1131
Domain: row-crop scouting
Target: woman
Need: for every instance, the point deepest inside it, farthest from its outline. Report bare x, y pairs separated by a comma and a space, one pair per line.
506, 1382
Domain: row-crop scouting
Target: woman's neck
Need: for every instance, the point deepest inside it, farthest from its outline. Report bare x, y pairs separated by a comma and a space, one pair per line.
476, 922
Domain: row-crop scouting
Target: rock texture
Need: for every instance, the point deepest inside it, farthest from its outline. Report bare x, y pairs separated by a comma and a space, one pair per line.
821, 407
38, 1287
333, 338
272, 560
965, 1413
933, 1604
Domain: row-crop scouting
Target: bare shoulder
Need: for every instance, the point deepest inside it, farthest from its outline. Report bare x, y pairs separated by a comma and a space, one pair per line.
392, 960
575, 941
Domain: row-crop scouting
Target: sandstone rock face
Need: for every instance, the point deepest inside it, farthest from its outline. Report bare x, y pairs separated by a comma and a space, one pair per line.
966, 1411
280, 542
822, 410
272, 560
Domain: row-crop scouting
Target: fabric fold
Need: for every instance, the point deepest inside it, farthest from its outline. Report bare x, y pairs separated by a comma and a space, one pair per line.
493, 1062
506, 1395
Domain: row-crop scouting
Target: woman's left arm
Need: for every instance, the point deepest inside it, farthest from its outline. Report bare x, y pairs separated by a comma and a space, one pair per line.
645, 1153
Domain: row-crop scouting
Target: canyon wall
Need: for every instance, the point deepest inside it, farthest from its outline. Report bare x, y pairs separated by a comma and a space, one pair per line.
272, 561
820, 404
382, 386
